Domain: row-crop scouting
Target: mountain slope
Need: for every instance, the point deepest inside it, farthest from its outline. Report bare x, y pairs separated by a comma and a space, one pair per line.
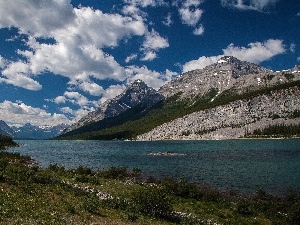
138, 93
5, 129
235, 119
198, 91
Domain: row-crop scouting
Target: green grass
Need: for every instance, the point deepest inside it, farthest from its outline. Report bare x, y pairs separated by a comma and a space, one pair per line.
55, 195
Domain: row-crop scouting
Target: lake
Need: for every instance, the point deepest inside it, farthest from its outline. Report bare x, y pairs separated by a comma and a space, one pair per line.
242, 165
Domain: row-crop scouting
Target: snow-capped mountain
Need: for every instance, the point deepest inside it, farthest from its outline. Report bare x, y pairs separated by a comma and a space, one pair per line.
29, 131
137, 93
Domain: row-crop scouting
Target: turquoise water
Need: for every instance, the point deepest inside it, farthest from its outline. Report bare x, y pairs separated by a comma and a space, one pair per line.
242, 165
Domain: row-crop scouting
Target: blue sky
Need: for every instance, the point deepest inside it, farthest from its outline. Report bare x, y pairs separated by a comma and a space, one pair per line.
60, 59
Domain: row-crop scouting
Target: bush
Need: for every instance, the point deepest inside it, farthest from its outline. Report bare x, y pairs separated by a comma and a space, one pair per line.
81, 170
91, 204
152, 201
115, 173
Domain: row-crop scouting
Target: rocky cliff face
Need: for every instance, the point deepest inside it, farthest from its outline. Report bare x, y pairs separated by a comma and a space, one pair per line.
233, 120
227, 73
135, 94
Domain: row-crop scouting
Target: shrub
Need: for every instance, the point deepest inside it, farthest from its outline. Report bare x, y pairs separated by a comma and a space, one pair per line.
81, 170
115, 173
91, 204
152, 201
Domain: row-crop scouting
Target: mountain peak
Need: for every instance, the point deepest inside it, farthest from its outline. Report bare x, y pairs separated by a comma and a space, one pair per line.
237, 67
136, 93
227, 72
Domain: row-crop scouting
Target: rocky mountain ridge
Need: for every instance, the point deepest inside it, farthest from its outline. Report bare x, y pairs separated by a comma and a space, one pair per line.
227, 73
137, 93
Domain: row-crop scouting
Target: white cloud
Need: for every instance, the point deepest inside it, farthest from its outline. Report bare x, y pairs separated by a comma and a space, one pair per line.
199, 63
149, 55
190, 17
3, 62
153, 79
59, 100
258, 5
146, 3
111, 92
20, 113
18, 74
190, 13
48, 15
293, 47
67, 110
199, 30
168, 20
256, 53
130, 58
153, 42
80, 35
75, 98
88, 86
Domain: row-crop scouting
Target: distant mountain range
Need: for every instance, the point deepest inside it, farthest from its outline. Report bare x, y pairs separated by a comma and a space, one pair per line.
29, 131
228, 99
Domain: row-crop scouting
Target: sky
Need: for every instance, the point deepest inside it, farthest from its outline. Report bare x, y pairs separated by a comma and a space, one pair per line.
60, 59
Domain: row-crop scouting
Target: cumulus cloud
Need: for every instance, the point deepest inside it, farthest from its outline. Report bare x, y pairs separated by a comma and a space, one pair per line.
130, 58
200, 63
190, 14
49, 15
146, 3
199, 30
258, 5
75, 98
293, 47
3, 62
80, 35
256, 52
152, 78
190, 17
111, 92
168, 20
87, 86
20, 113
153, 42
18, 74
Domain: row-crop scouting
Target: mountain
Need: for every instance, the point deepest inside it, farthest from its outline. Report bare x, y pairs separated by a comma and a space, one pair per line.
227, 73
5, 129
136, 94
221, 96
29, 131
234, 119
